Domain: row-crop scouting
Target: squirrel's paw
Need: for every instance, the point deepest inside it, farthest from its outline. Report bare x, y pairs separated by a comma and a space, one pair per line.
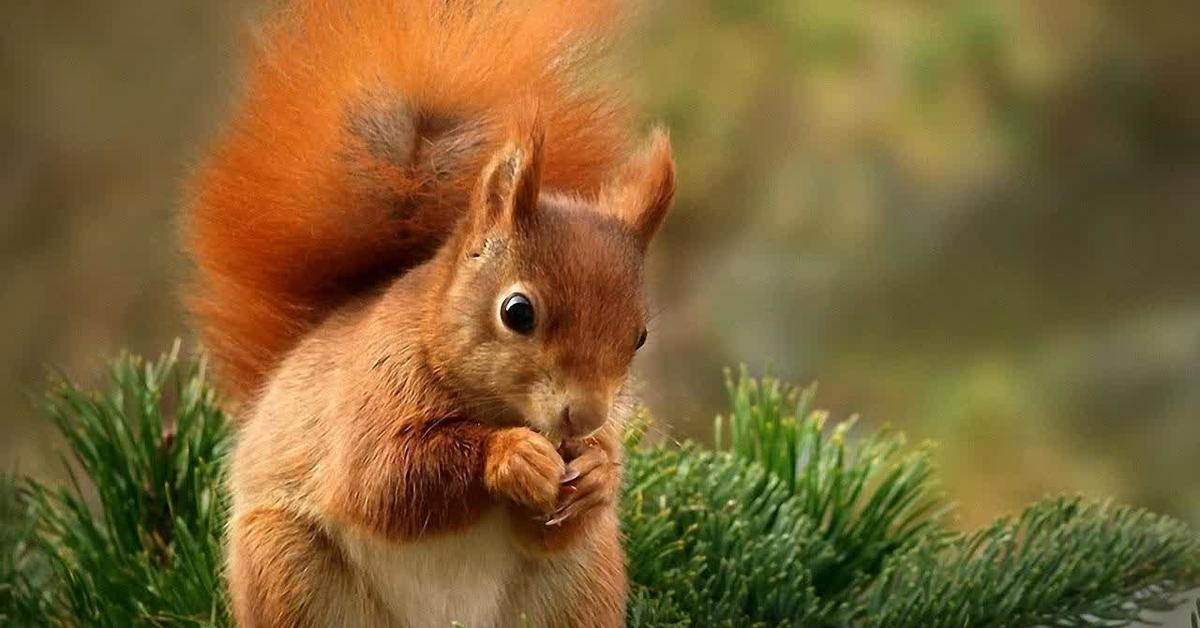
591, 481
524, 467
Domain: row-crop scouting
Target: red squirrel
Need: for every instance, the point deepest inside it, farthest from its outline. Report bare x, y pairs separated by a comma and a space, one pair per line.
419, 246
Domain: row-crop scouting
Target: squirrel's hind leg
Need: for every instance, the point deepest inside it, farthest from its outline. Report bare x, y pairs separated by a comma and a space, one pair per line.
285, 571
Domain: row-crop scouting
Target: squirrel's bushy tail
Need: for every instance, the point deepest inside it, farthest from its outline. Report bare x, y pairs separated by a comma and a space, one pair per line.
362, 130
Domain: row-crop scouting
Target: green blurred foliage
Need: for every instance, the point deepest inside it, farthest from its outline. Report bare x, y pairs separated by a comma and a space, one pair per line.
976, 220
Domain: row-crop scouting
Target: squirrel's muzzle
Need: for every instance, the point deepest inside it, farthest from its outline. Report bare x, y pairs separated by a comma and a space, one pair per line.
584, 413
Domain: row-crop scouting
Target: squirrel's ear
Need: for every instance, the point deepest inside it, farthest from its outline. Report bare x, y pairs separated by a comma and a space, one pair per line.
643, 191
508, 190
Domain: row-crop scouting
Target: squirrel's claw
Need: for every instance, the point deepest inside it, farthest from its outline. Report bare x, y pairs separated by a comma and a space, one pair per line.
570, 476
578, 507
589, 481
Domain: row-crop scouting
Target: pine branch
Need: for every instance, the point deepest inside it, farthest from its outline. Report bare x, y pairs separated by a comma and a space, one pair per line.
708, 533
874, 535
1061, 562
868, 500
793, 524
21, 571
151, 447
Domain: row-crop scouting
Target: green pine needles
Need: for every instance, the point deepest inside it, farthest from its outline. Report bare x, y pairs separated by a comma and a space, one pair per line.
139, 544
790, 522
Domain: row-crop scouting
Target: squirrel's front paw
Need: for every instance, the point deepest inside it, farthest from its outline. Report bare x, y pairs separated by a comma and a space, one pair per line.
524, 467
591, 481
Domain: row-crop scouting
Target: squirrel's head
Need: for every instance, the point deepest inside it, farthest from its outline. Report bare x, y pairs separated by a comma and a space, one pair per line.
543, 308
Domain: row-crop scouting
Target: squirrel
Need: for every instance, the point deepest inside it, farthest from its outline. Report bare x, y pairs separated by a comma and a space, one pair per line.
419, 246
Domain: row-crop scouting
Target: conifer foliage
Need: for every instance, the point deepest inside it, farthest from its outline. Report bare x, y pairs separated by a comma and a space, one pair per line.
789, 521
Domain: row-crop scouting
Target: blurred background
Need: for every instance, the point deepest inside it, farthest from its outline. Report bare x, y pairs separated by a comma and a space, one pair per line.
978, 221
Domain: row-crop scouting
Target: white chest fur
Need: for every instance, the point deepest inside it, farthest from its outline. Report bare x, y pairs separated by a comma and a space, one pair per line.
461, 577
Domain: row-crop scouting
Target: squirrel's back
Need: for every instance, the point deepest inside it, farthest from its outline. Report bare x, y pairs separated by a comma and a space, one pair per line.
356, 145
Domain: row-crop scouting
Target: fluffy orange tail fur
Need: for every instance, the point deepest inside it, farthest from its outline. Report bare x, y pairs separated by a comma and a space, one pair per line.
363, 129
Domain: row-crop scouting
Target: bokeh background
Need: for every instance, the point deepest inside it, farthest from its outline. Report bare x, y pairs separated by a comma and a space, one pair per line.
976, 220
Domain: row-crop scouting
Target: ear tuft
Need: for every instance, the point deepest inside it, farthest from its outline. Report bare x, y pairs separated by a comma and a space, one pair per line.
642, 193
510, 183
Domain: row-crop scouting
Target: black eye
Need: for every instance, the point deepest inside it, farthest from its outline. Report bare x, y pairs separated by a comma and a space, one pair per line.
640, 341
516, 312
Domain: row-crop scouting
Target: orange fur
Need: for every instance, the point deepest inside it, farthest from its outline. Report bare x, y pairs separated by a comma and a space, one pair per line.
397, 171
363, 127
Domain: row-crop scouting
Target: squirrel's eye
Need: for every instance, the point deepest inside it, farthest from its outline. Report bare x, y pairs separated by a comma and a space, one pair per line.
516, 312
640, 341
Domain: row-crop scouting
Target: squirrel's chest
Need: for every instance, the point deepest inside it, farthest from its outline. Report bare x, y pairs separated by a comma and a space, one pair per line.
462, 577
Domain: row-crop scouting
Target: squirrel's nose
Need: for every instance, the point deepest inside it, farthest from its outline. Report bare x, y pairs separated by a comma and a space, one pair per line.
581, 419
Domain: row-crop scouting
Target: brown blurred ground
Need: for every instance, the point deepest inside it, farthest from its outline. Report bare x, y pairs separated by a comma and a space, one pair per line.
974, 220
